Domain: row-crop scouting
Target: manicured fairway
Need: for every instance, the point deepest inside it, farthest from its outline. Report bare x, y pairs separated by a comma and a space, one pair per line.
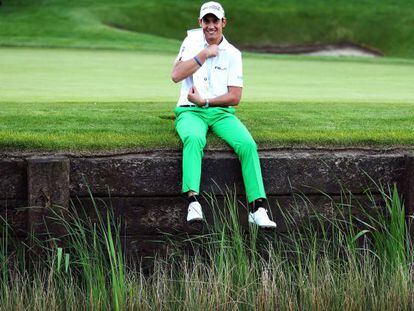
55, 99
53, 75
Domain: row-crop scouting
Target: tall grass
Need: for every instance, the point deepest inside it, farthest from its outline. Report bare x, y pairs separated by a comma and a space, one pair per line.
333, 262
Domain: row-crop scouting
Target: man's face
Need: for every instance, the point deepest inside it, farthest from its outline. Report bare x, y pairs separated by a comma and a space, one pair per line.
212, 27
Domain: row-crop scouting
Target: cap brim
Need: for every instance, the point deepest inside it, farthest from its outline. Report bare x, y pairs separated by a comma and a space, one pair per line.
215, 13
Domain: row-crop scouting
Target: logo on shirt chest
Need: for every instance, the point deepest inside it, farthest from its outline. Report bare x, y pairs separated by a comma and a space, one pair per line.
220, 68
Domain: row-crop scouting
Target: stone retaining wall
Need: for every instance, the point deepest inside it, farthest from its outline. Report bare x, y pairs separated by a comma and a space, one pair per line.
144, 189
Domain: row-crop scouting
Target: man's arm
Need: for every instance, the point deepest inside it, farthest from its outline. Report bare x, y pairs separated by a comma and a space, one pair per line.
234, 86
231, 98
184, 69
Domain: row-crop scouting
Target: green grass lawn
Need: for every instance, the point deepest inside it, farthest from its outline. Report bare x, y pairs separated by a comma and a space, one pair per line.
55, 99
52, 75
116, 93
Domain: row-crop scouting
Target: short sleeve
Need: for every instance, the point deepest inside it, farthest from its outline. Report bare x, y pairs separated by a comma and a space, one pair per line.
235, 77
184, 52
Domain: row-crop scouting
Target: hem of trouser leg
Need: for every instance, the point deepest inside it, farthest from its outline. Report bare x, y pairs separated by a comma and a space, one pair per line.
184, 191
257, 197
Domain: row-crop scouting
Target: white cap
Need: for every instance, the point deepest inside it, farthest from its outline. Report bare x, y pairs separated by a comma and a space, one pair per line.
212, 8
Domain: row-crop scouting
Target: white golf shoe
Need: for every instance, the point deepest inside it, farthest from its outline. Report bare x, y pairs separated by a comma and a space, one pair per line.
261, 218
195, 212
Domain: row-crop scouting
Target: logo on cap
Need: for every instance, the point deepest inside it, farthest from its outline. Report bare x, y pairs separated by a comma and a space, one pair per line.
212, 8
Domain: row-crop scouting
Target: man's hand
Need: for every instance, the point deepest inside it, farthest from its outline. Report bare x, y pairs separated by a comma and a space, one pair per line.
194, 97
211, 50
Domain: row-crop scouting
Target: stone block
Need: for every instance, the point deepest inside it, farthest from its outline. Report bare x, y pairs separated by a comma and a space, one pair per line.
159, 174
48, 187
13, 175
167, 215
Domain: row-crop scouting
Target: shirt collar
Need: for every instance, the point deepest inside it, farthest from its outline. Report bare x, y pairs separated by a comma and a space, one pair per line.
222, 46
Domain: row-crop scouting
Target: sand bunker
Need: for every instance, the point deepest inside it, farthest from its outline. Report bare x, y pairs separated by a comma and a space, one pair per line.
343, 49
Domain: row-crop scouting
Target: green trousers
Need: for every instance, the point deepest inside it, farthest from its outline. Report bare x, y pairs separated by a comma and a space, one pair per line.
192, 124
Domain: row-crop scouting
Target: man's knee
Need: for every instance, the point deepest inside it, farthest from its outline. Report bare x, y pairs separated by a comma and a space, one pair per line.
246, 146
194, 139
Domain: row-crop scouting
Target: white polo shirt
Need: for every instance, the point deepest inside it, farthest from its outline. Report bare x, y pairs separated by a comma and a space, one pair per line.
216, 74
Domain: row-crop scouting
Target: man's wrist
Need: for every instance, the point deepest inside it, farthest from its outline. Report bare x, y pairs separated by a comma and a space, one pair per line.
198, 61
206, 53
206, 103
